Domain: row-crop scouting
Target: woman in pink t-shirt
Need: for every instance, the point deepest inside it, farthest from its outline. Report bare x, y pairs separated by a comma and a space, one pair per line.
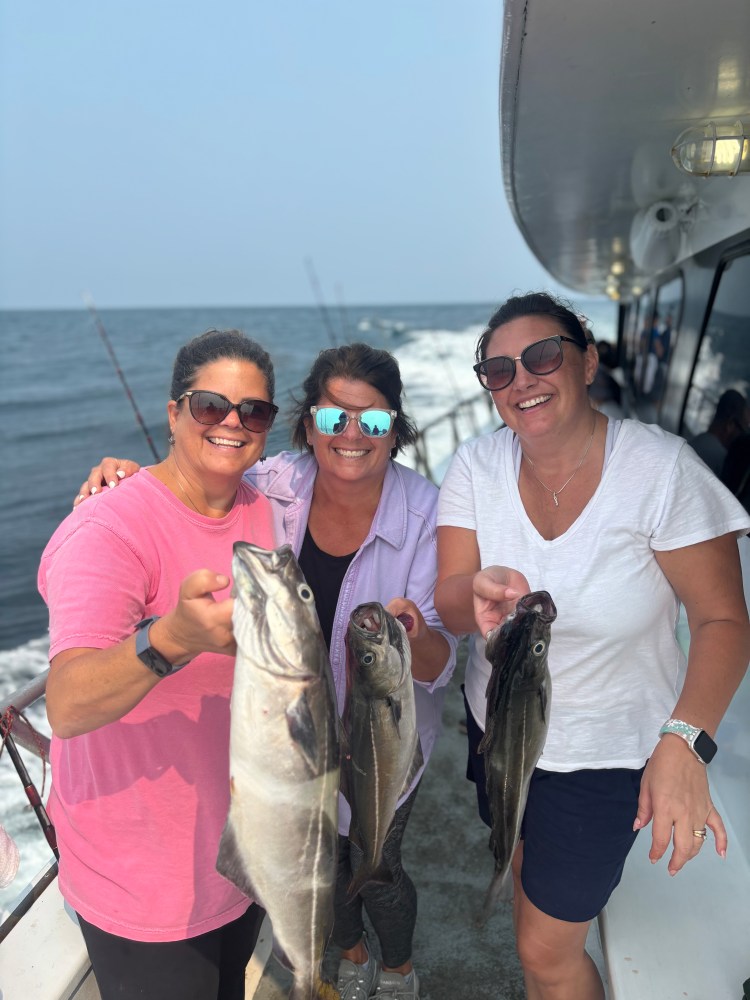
137, 584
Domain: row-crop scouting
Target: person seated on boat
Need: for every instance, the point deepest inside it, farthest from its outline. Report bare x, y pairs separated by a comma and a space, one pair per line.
619, 521
731, 418
605, 391
142, 656
363, 527
735, 473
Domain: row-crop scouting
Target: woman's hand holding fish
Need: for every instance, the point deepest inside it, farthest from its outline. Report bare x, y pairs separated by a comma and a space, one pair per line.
675, 797
198, 623
496, 590
429, 649
107, 474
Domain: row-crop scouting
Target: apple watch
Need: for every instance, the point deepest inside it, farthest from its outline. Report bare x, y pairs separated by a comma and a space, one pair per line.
149, 656
698, 740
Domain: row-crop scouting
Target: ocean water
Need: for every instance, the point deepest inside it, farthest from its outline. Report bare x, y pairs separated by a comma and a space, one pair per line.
62, 407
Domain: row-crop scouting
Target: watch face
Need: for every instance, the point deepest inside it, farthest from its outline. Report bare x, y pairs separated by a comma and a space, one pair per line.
704, 746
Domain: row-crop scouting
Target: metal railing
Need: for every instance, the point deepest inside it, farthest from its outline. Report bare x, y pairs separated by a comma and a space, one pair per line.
38, 744
463, 422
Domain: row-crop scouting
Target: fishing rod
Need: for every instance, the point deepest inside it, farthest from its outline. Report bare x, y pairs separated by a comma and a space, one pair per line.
35, 800
319, 299
111, 351
343, 315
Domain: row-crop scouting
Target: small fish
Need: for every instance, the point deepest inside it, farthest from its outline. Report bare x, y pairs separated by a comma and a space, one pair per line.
381, 725
518, 703
280, 840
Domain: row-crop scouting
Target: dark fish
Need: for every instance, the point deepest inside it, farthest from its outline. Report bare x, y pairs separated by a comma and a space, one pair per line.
280, 840
381, 724
518, 702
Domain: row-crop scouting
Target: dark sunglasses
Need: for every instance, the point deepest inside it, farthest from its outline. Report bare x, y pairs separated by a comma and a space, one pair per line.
332, 420
256, 415
541, 358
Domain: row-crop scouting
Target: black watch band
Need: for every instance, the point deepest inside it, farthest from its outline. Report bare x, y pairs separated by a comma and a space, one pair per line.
149, 656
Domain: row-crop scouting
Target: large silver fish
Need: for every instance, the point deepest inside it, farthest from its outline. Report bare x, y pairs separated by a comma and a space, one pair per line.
381, 724
518, 703
280, 839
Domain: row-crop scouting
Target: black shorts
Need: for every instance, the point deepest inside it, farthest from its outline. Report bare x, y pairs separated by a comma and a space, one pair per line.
577, 831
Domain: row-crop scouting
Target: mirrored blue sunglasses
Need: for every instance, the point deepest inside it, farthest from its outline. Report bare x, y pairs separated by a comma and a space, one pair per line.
332, 420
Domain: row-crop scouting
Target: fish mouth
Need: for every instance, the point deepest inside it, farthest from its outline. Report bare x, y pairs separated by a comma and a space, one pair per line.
257, 562
369, 619
539, 603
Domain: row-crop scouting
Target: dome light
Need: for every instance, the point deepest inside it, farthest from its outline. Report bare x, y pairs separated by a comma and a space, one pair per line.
713, 150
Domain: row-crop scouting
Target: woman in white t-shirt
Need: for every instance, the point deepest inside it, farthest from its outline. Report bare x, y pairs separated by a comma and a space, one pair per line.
620, 522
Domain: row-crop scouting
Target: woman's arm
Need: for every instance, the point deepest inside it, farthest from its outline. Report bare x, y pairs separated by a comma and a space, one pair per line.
707, 579
88, 688
467, 597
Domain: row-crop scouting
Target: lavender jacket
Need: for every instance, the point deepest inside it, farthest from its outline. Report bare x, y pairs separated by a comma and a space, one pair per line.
397, 559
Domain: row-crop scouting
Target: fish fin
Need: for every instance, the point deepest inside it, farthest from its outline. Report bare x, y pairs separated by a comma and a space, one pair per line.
301, 726
416, 763
486, 741
366, 873
543, 701
229, 862
395, 706
500, 891
281, 956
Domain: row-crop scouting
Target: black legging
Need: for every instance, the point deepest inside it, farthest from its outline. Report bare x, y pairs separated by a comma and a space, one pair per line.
392, 908
210, 966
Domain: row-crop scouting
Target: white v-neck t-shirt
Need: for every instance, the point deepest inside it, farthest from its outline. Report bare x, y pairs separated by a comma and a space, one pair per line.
615, 663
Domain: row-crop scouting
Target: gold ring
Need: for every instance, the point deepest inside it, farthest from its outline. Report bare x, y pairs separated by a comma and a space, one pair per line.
700, 833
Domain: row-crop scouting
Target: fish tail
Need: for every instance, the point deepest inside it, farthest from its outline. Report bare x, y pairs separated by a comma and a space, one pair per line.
367, 873
500, 891
314, 989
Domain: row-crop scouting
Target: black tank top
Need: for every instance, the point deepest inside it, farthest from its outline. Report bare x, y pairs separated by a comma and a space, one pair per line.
325, 574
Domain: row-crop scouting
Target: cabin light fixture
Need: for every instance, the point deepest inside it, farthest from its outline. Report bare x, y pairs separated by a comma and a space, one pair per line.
716, 149
617, 268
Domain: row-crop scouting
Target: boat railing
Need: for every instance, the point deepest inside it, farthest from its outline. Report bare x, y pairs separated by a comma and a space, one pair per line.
467, 418
11, 713
15, 704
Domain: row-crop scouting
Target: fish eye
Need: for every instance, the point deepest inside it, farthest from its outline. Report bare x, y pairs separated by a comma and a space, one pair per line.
368, 659
538, 648
304, 592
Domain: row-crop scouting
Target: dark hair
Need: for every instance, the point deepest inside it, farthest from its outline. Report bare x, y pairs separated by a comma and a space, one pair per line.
731, 406
535, 304
361, 363
217, 345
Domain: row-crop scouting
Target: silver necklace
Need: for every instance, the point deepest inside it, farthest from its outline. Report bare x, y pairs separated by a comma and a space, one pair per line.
556, 493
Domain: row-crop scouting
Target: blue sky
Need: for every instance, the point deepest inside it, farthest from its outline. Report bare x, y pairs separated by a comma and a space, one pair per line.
162, 153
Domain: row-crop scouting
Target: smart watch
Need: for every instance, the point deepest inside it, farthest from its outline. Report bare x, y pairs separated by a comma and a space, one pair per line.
698, 740
149, 656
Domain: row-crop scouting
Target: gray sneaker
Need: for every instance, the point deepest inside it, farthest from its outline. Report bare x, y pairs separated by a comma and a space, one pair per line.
355, 982
392, 986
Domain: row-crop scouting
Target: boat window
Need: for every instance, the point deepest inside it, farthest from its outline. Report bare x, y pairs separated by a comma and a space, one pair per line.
630, 329
638, 342
723, 358
665, 327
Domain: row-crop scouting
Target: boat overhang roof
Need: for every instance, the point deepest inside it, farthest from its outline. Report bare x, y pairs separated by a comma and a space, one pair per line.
592, 98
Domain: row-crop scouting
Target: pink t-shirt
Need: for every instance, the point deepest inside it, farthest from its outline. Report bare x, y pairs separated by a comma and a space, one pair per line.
139, 805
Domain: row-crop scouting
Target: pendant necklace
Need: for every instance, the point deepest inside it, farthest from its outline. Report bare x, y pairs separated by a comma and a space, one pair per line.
556, 493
